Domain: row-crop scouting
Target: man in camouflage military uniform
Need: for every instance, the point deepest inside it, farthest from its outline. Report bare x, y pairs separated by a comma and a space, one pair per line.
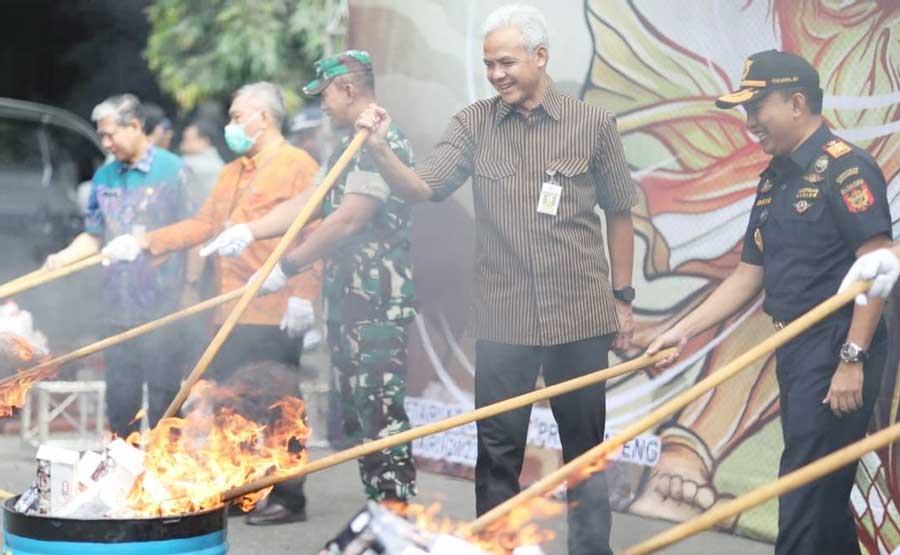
367, 286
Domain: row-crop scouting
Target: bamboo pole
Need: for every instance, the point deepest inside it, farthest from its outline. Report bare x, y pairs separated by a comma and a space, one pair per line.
252, 288
454, 421
46, 276
4, 495
46, 366
598, 454
787, 483
25, 278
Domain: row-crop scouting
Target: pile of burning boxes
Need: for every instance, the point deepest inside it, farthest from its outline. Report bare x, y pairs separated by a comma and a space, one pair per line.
91, 485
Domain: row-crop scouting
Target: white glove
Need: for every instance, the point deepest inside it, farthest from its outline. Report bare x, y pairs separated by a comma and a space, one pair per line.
124, 248
275, 282
230, 242
881, 266
298, 318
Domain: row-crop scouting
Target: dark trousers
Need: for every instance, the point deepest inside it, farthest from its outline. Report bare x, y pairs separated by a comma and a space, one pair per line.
249, 344
149, 358
504, 371
817, 518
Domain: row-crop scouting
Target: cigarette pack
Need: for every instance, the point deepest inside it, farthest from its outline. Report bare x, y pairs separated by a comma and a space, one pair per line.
56, 478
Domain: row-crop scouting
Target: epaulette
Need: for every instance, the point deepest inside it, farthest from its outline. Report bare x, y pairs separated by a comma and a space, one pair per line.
836, 148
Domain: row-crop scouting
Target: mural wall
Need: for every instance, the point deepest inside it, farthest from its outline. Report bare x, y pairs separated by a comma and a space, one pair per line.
657, 65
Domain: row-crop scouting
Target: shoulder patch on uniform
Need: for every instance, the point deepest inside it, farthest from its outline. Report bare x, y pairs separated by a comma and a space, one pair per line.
847, 174
836, 148
858, 197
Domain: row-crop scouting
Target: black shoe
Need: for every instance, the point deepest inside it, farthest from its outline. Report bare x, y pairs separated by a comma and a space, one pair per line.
275, 513
234, 510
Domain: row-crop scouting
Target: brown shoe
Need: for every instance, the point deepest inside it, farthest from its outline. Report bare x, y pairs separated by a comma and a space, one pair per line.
275, 513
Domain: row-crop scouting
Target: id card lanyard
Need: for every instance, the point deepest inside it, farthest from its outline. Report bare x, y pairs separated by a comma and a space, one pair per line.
551, 191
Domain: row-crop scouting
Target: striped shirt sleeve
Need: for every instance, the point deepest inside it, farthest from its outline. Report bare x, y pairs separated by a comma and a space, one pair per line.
616, 191
451, 162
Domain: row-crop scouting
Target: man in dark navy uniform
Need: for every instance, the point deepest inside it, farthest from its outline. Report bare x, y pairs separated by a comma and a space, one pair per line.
819, 205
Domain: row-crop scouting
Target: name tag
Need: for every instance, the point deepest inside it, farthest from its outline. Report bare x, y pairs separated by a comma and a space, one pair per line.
550, 193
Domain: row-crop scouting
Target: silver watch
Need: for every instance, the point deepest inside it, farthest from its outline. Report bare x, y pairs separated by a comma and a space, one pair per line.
851, 353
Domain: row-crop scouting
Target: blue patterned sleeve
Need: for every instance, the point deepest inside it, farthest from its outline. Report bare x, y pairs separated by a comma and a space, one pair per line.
94, 223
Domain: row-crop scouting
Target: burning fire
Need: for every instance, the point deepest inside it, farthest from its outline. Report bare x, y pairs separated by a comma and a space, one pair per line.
190, 462
16, 353
516, 530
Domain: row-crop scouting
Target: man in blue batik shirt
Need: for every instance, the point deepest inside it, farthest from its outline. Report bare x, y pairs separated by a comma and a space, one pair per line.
144, 188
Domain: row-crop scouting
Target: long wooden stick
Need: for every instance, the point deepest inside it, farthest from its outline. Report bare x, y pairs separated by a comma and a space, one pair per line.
25, 278
283, 245
44, 367
4, 495
788, 482
584, 464
20, 285
452, 422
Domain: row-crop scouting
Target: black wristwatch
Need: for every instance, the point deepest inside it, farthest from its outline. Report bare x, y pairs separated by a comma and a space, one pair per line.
289, 268
625, 294
852, 353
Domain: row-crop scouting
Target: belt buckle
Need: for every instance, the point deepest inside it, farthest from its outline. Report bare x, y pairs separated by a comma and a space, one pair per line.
778, 324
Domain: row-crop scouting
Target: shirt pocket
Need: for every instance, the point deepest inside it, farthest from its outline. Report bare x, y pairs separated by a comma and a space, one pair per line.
569, 168
494, 170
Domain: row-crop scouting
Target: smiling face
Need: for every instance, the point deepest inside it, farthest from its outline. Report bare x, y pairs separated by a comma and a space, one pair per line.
515, 73
774, 119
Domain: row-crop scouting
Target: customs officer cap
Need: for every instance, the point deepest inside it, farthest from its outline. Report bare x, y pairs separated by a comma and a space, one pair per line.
768, 70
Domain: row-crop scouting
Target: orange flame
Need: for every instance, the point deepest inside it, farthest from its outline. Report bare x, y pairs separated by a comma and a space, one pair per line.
190, 462
16, 353
516, 529
501, 538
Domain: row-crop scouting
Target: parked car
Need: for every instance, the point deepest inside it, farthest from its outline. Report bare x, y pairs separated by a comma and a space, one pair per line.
45, 153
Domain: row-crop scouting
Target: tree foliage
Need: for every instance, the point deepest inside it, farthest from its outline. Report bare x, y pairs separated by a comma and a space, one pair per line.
206, 49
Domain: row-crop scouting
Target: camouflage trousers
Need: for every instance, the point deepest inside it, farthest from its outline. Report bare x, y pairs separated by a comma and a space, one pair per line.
370, 362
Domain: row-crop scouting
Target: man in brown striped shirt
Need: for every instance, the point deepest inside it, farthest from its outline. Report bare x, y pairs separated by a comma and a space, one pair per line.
540, 162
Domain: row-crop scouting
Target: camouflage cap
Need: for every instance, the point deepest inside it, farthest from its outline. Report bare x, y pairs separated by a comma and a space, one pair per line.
351, 61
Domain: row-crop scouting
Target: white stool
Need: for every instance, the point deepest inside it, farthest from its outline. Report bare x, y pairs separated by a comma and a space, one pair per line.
54, 400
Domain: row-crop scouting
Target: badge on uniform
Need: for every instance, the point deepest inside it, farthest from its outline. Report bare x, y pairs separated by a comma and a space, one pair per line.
814, 177
757, 238
837, 148
801, 206
821, 164
766, 186
548, 203
808, 193
858, 197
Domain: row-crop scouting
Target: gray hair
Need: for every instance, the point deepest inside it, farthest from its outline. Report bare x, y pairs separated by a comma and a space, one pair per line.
269, 96
125, 107
528, 20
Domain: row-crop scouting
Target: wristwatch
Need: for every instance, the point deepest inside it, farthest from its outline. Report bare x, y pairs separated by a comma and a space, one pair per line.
625, 294
289, 268
851, 353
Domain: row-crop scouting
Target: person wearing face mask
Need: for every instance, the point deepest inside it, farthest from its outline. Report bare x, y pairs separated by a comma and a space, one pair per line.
269, 170
820, 204
144, 188
367, 285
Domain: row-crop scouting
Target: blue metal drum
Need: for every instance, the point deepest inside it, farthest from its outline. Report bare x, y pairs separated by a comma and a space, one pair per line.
196, 534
